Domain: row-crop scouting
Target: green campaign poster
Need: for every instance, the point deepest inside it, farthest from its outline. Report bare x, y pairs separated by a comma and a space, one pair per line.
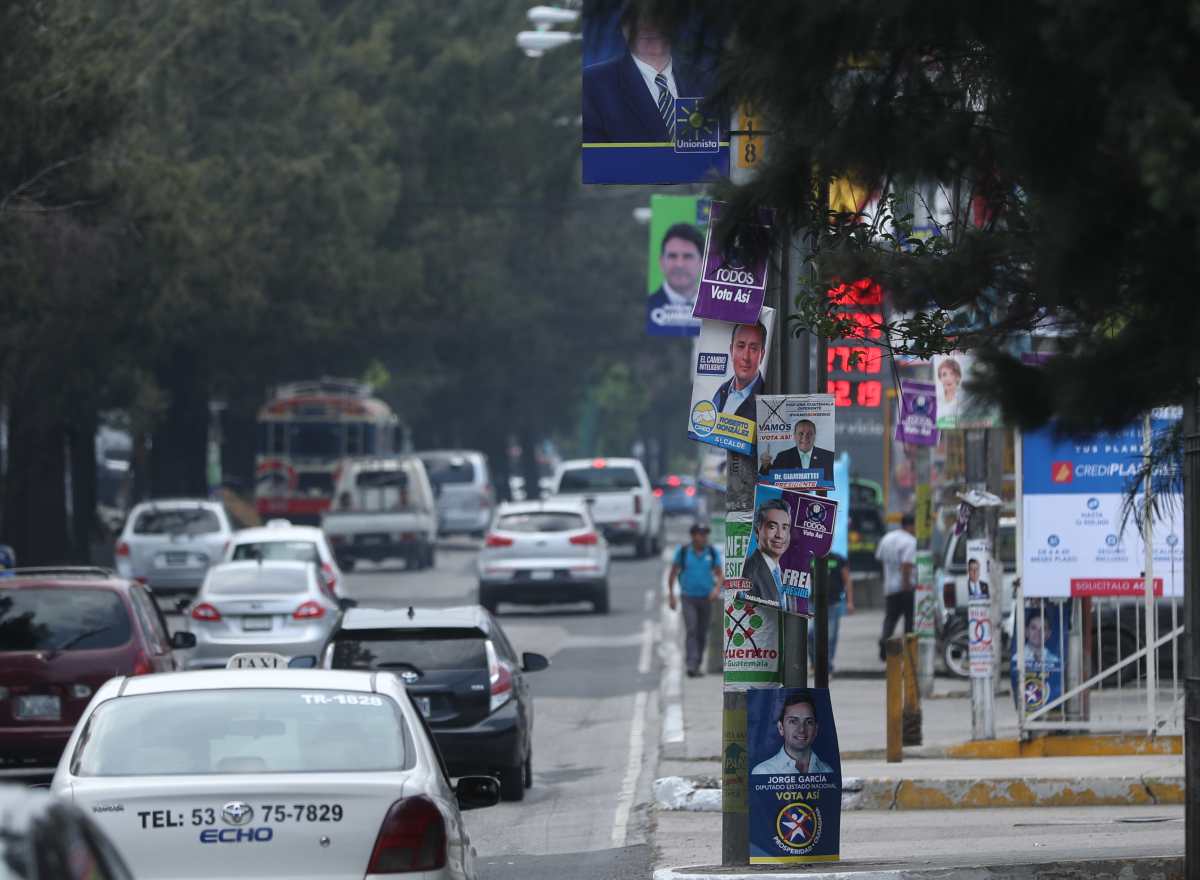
676, 249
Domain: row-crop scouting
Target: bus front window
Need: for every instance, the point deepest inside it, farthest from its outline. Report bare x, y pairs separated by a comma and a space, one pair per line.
315, 440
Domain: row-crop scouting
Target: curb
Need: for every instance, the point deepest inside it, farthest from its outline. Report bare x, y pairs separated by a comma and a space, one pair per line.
700, 795
1166, 868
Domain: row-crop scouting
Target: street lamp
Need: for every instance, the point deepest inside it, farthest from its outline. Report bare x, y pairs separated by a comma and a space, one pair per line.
536, 43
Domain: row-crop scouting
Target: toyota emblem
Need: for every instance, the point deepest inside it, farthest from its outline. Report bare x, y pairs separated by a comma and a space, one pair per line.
409, 677
237, 813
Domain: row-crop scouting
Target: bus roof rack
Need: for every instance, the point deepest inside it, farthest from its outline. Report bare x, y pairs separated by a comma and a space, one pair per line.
324, 385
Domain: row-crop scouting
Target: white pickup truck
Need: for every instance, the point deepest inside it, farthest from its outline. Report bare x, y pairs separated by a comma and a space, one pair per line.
620, 498
383, 508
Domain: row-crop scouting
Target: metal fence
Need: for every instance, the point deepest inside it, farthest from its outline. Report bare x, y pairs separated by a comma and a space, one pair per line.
1111, 664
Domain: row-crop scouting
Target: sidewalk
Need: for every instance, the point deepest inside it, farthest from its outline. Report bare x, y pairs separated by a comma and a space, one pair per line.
1056, 815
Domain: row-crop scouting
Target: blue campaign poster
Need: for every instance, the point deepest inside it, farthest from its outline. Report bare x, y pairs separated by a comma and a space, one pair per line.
1046, 625
795, 776
646, 117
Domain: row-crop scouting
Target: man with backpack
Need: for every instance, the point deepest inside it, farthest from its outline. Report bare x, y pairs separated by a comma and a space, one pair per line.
697, 567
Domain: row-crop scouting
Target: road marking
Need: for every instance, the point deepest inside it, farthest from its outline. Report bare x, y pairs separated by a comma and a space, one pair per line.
647, 654
672, 680
637, 748
628, 640
649, 603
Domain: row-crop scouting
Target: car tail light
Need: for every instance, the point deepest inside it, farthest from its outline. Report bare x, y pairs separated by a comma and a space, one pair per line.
122, 548
141, 664
637, 503
586, 538
599, 463
949, 595
658, 493
411, 838
494, 540
205, 611
309, 610
329, 579
689, 491
500, 677
81, 691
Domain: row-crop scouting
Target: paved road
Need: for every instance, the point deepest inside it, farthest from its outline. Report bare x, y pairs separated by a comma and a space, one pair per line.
596, 711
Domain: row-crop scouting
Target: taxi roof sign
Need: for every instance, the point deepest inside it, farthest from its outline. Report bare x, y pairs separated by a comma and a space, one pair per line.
257, 660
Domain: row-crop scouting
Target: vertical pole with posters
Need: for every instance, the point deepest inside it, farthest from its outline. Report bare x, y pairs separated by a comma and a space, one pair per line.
983, 687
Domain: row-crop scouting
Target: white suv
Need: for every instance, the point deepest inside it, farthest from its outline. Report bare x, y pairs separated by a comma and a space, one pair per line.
170, 544
622, 503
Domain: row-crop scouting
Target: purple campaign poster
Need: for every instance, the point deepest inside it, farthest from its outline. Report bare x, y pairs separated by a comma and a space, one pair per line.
734, 283
790, 529
917, 423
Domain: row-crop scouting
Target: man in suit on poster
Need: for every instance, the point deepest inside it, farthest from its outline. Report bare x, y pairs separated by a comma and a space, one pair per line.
747, 345
773, 534
805, 455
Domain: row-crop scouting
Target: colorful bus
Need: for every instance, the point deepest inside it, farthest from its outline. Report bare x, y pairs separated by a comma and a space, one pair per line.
304, 431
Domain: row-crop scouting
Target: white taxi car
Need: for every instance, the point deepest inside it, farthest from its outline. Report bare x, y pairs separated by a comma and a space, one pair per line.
260, 772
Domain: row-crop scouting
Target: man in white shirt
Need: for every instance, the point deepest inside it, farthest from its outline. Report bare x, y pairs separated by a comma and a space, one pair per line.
798, 727
897, 550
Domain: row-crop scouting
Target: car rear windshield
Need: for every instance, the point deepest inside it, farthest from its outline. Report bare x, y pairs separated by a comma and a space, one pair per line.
298, 551
542, 521
179, 521
257, 579
605, 479
250, 730
56, 619
419, 650
445, 469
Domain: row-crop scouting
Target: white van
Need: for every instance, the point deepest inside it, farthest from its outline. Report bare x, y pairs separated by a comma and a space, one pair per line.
383, 508
462, 485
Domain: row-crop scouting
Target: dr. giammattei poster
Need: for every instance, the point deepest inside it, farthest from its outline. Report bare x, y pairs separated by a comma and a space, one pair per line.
727, 374
795, 776
796, 439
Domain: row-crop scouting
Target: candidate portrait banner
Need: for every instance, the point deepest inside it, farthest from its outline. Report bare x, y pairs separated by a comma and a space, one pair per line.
956, 408
795, 776
677, 225
645, 112
733, 284
1045, 654
796, 440
790, 529
727, 374
917, 424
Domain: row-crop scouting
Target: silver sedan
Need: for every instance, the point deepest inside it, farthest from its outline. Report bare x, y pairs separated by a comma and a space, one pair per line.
260, 773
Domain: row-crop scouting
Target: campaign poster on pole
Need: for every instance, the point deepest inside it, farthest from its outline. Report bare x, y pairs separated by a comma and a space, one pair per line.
955, 407
795, 776
790, 530
645, 111
980, 630
1075, 538
675, 260
796, 438
730, 360
1045, 654
733, 284
751, 642
917, 423
924, 602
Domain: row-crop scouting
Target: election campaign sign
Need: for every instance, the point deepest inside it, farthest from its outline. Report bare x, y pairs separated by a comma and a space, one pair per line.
795, 776
955, 407
1075, 540
734, 283
727, 373
917, 423
796, 437
675, 260
1045, 654
790, 530
645, 114
751, 641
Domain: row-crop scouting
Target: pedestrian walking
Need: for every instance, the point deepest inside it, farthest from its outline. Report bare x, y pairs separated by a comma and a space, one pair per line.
897, 550
697, 567
841, 602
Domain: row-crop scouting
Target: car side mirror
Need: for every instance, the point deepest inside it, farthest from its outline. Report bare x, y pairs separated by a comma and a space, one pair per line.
473, 792
345, 604
181, 640
531, 662
303, 661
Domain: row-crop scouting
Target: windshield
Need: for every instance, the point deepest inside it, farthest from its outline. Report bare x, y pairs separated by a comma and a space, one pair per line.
605, 479
177, 521
299, 551
542, 521
267, 730
421, 650
56, 619
445, 469
315, 439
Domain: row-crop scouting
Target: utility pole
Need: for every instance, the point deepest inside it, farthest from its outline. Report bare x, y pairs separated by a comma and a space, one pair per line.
1191, 606
982, 525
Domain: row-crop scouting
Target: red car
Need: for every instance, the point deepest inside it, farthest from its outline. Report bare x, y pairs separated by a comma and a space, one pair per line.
63, 633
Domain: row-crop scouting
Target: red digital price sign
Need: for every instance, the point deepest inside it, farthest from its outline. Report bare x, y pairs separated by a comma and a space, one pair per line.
854, 361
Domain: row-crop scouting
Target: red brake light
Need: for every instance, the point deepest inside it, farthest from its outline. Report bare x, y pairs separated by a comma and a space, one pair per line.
329, 580
122, 548
309, 610
658, 493
205, 611
586, 538
494, 540
141, 665
689, 491
411, 838
673, 480
599, 463
949, 596
500, 678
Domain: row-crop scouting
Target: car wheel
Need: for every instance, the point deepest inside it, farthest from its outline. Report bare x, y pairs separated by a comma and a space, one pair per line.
346, 564
512, 782
529, 770
430, 556
955, 652
488, 602
600, 600
642, 548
